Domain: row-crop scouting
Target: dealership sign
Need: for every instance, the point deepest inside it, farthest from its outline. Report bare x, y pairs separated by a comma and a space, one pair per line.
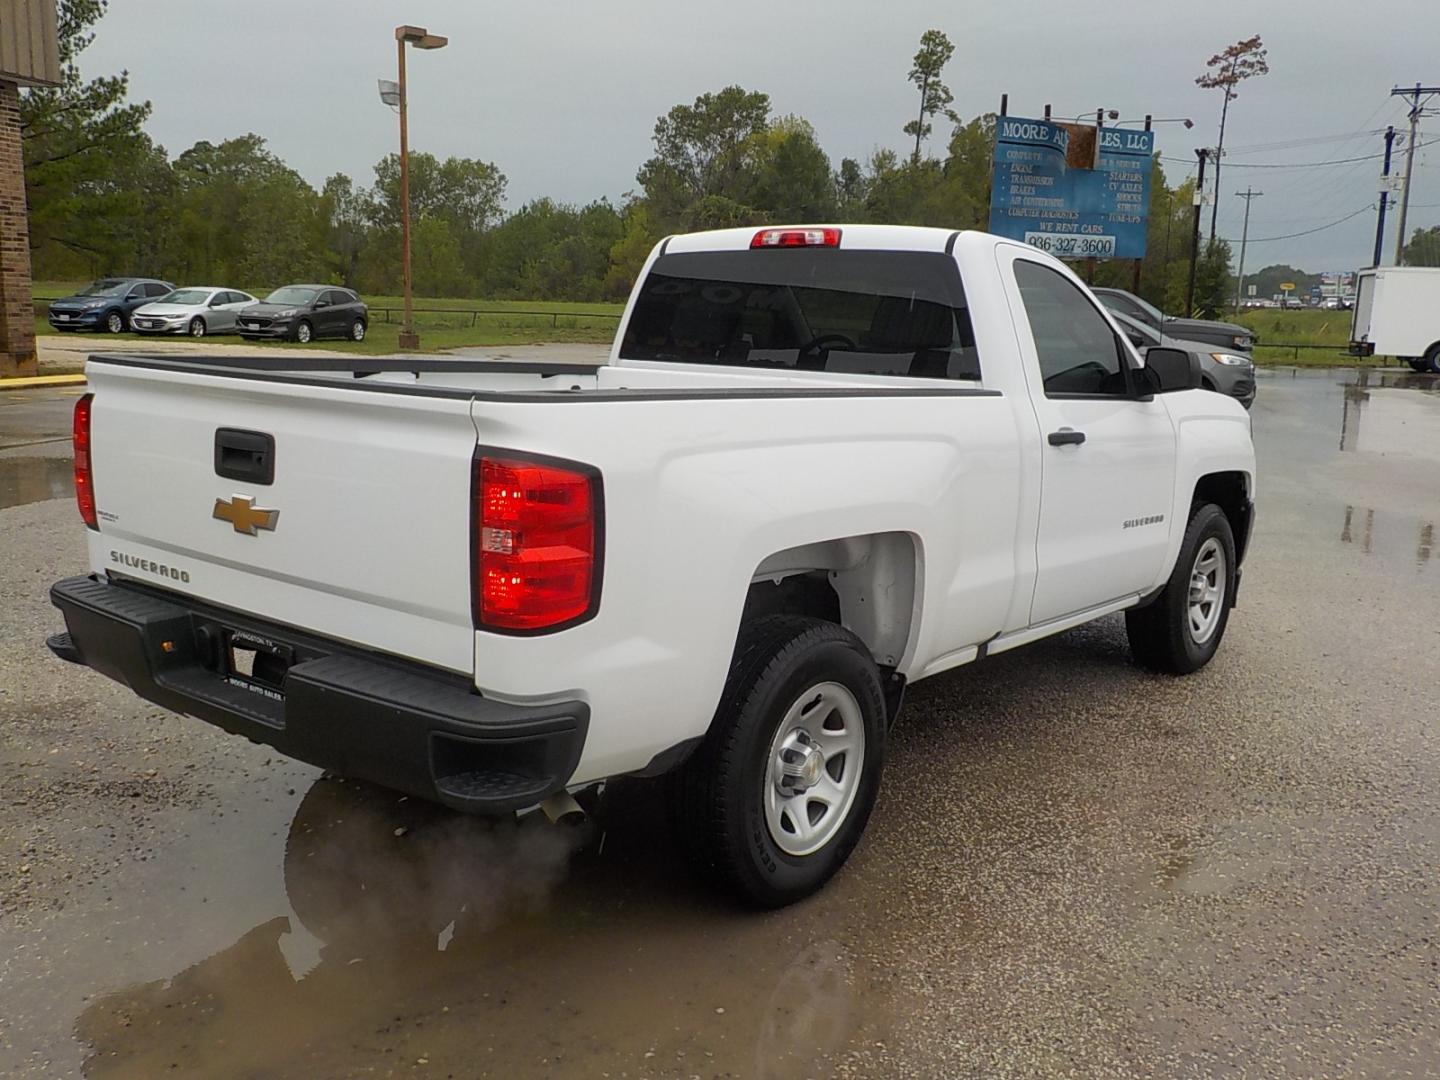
1041, 196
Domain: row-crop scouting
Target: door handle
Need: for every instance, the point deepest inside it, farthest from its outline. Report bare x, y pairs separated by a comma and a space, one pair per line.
1066, 437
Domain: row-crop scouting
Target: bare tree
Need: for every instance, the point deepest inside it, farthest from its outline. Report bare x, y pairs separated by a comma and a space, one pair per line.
1226, 71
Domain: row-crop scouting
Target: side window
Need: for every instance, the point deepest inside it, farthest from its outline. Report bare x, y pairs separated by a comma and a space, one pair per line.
154, 288
337, 297
1078, 352
136, 292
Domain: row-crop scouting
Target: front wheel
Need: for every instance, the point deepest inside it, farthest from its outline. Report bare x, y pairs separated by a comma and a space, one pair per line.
115, 322
197, 327
303, 333
777, 795
1179, 631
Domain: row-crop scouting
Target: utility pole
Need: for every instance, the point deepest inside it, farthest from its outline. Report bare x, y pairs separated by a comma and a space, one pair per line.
1384, 196
1202, 154
1416, 111
1247, 195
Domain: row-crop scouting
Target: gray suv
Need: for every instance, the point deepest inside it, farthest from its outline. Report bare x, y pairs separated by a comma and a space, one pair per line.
1223, 334
1231, 372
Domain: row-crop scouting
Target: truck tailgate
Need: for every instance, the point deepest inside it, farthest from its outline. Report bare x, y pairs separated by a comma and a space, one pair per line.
370, 539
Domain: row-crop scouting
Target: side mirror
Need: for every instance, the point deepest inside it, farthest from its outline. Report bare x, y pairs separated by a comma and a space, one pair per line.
1167, 370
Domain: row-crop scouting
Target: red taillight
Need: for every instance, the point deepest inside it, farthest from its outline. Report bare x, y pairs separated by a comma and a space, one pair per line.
537, 544
84, 479
791, 238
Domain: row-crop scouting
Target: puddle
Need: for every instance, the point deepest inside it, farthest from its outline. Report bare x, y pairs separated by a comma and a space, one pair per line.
1391, 413
35, 479
420, 939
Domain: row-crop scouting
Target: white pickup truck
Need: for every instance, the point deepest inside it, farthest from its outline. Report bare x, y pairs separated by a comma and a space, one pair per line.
821, 463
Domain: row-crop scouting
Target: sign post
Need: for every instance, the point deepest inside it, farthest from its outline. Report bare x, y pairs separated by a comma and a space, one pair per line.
1042, 197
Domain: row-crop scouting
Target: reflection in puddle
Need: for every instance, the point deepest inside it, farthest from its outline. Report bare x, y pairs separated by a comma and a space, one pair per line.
1364, 519
1383, 413
35, 479
419, 937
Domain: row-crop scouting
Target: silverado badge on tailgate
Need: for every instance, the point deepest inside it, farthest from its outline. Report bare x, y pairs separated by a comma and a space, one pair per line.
241, 512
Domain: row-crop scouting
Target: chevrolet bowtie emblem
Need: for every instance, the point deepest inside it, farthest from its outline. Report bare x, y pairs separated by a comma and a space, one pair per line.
242, 513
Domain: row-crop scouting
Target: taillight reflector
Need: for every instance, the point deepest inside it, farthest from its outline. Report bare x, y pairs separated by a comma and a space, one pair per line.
537, 543
792, 238
84, 478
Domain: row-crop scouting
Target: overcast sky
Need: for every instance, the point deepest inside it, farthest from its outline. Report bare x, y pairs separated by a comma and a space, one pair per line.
563, 97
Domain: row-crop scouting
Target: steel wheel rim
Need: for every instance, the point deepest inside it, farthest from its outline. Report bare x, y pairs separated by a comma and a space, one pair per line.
1207, 592
813, 769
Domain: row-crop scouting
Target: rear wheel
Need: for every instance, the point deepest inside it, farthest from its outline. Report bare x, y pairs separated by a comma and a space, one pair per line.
357, 330
1432, 358
303, 332
1418, 363
775, 798
115, 322
197, 327
1179, 631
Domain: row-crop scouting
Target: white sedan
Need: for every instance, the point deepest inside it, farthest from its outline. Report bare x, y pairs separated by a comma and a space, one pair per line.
196, 310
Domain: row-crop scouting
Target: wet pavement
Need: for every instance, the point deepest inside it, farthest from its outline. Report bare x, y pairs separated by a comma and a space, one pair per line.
1075, 868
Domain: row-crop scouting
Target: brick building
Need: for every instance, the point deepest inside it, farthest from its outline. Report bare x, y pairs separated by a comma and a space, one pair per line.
28, 57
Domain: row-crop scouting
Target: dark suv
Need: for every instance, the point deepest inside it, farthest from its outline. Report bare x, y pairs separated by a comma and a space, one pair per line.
305, 312
106, 304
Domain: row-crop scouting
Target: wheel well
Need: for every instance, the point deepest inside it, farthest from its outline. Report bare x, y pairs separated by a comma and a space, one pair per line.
865, 583
1230, 492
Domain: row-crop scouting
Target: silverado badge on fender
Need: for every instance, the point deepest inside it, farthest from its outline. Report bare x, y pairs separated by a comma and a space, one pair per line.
241, 512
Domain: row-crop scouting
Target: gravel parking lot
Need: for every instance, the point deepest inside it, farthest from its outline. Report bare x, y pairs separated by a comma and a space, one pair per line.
1075, 868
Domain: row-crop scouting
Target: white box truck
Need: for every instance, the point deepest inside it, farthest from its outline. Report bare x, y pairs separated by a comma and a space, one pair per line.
1397, 313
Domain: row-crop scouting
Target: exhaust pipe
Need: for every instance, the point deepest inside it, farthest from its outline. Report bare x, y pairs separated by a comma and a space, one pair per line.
562, 809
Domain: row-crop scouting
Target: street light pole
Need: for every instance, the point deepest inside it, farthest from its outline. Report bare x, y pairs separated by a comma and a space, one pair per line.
409, 339
421, 39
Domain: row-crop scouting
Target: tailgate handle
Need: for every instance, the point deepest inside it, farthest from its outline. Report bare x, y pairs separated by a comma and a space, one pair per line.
245, 455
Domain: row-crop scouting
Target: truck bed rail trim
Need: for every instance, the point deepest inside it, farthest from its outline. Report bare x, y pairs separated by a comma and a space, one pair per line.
228, 368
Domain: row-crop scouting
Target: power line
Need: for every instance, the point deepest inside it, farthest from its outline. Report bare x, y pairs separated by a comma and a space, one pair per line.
1308, 164
1307, 232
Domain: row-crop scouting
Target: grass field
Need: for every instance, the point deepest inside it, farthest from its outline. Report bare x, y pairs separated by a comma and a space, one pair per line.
447, 324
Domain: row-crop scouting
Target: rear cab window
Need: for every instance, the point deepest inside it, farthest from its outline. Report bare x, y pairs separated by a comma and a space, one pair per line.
821, 309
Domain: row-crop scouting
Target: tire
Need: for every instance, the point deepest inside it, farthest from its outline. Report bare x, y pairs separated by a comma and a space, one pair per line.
115, 322
1432, 359
197, 327
304, 332
727, 801
1172, 635
1418, 363
357, 330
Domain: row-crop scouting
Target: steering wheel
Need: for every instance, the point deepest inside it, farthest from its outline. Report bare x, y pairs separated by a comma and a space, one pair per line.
817, 343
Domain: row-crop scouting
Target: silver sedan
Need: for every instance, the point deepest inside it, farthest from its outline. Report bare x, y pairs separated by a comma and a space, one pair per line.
196, 310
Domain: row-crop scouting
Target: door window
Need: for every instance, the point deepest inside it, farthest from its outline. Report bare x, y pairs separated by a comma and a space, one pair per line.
1077, 350
154, 288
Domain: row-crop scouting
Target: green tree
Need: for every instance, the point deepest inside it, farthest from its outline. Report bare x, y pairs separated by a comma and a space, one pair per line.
346, 211
790, 175
930, 60
1423, 248
700, 150
629, 252
1214, 284
850, 189
435, 266
72, 135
